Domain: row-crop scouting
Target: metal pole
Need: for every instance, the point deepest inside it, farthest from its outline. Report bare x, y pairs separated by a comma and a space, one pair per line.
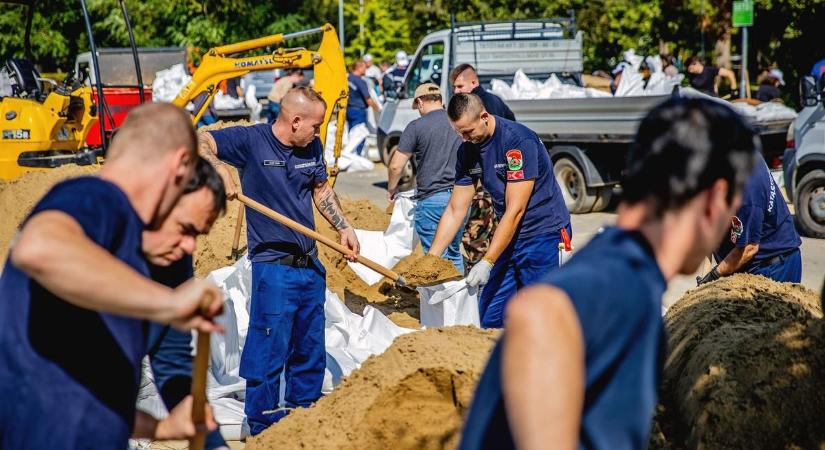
135, 56
361, 25
743, 77
341, 23
101, 103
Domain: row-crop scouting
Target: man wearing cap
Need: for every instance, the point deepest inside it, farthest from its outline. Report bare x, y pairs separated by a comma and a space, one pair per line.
435, 145
372, 70
769, 87
394, 77
512, 163
465, 80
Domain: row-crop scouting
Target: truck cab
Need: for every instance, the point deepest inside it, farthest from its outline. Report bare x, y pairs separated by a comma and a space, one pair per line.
804, 160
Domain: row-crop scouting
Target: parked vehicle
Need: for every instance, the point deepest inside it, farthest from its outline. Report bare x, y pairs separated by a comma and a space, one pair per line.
587, 138
804, 160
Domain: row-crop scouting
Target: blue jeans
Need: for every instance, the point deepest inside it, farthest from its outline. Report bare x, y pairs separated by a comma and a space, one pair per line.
171, 361
522, 263
428, 212
357, 116
788, 269
286, 333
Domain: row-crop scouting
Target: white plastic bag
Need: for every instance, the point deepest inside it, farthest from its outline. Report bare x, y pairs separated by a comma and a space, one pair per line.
389, 246
450, 303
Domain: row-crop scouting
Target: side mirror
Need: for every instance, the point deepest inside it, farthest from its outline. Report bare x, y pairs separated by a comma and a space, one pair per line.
808, 92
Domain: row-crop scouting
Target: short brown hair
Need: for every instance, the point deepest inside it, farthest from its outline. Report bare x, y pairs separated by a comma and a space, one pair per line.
153, 129
463, 104
458, 70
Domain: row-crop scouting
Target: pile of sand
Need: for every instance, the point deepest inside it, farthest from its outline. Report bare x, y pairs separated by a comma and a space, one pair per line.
413, 396
744, 369
19, 196
426, 270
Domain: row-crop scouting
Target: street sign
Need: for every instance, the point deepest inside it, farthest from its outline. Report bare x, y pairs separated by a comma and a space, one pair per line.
743, 13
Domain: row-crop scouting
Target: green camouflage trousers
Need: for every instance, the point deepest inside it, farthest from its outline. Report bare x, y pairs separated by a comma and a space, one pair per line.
481, 223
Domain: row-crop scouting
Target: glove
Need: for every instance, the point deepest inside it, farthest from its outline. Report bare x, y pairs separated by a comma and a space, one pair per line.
480, 273
711, 276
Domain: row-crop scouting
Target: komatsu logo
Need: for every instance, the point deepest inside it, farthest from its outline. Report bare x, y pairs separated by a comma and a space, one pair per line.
257, 62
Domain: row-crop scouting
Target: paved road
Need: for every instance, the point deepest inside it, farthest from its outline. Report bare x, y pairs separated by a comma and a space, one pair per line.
372, 185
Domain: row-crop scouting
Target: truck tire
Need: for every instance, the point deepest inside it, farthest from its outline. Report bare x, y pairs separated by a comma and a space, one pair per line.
384, 154
407, 181
604, 195
577, 196
809, 202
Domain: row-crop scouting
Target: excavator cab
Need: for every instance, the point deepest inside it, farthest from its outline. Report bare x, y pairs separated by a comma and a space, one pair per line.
44, 124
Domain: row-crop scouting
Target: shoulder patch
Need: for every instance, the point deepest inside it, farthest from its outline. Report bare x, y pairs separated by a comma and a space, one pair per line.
514, 159
736, 229
514, 175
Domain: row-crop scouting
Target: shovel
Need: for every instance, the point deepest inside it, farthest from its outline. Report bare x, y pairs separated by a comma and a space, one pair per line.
286, 221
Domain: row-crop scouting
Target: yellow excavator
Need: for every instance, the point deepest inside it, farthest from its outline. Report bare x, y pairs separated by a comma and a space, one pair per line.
327, 61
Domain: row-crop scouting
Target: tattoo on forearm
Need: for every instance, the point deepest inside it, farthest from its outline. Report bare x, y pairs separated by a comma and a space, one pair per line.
208, 148
330, 207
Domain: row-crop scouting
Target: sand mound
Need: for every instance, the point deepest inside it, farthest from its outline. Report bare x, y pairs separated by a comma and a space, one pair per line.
745, 368
413, 396
426, 270
19, 196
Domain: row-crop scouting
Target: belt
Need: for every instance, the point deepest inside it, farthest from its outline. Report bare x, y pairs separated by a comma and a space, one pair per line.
776, 259
299, 261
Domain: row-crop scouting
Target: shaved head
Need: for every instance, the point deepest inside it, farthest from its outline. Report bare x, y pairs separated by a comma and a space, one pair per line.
301, 117
152, 130
469, 118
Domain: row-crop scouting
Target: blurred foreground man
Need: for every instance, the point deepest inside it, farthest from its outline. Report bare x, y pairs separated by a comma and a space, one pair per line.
581, 358
75, 297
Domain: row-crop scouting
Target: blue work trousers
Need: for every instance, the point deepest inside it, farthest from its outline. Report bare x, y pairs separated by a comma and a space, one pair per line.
357, 116
428, 212
788, 269
286, 334
524, 262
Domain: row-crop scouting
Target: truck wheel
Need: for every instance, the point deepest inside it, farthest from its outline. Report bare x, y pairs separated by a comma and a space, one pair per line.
578, 198
407, 181
604, 195
809, 202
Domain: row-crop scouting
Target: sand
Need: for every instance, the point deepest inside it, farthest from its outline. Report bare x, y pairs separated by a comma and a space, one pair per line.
744, 369
413, 396
19, 196
426, 270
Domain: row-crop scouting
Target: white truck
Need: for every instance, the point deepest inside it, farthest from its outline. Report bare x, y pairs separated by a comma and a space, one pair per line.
804, 160
587, 138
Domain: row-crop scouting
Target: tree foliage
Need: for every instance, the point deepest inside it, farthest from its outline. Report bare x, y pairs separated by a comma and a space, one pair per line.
786, 33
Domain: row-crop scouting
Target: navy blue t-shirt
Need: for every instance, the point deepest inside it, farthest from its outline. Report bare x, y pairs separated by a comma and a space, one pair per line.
493, 104
624, 344
763, 219
358, 92
515, 153
69, 376
280, 177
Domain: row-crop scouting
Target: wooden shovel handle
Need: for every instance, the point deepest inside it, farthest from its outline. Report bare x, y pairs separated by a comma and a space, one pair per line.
286, 221
199, 368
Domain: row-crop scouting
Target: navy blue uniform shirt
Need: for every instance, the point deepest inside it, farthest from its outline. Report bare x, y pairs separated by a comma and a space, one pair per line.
624, 344
280, 177
493, 103
69, 376
512, 154
358, 92
763, 219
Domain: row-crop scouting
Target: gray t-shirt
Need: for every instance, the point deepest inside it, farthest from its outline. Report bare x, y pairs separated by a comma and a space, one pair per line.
434, 144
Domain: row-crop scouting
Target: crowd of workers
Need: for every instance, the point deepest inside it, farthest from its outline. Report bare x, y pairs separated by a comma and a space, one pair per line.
99, 258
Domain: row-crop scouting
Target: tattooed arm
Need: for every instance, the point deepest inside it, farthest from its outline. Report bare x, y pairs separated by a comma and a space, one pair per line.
208, 149
330, 207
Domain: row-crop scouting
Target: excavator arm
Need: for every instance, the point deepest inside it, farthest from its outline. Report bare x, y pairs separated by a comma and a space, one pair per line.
327, 62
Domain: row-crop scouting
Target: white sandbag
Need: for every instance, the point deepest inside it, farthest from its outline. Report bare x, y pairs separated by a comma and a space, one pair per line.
524, 88
169, 82
765, 112
450, 303
348, 161
389, 246
225, 101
